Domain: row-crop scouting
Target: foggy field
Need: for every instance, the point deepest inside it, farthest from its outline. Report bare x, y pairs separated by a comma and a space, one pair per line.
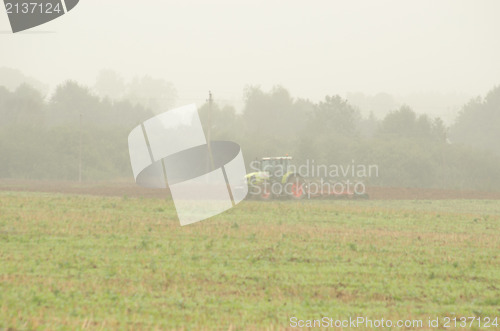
74, 261
366, 134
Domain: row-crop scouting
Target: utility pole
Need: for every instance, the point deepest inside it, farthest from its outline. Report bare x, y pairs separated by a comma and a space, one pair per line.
210, 102
209, 130
80, 153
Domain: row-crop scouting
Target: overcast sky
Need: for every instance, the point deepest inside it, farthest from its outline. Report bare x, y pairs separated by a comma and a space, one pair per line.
313, 48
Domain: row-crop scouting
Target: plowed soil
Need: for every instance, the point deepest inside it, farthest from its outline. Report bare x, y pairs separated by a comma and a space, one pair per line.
132, 190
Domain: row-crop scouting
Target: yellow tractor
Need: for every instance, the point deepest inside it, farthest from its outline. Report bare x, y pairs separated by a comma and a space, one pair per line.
276, 178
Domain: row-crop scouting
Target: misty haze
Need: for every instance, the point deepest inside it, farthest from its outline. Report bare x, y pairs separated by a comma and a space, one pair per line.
370, 188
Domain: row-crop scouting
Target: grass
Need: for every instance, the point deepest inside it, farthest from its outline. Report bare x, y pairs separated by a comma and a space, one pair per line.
75, 262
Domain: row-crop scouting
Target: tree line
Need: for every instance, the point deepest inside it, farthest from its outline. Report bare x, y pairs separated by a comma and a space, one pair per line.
40, 137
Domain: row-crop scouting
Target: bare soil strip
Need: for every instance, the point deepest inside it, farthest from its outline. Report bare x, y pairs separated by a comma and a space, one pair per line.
132, 190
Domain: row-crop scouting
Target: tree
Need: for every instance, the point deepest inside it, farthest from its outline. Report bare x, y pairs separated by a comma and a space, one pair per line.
368, 126
155, 94
70, 101
12, 79
478, 123
335, 114
225, 124
110, 84
405, 124
25, 106
267, 113
272, 121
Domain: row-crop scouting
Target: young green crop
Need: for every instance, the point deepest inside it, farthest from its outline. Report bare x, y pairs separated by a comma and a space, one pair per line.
69, 261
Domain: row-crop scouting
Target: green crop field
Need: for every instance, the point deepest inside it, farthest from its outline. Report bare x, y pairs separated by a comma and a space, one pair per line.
75, 262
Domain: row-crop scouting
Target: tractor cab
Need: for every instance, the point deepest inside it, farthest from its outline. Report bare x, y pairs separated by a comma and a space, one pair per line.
276, 167
276, 178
